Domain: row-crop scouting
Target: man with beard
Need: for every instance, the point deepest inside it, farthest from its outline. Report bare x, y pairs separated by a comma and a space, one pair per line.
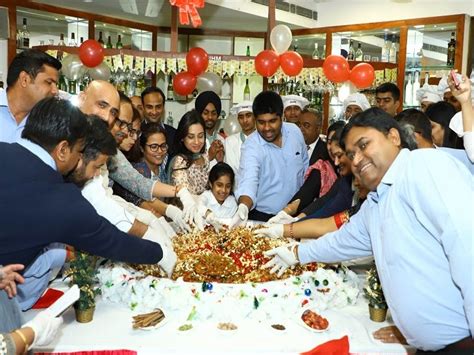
272, 164
51, 147
209, 106
32, 76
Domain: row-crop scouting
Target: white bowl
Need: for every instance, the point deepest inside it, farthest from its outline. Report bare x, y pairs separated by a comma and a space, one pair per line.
301, 322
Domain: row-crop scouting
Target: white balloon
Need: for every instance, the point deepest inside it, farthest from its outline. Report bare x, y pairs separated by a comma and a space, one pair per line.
72, 67
209, 82
345, 90
281, 38
100, 72
231, 125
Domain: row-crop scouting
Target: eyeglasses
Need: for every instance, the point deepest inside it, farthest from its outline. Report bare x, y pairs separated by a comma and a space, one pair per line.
123, 124
133, 133
154, 147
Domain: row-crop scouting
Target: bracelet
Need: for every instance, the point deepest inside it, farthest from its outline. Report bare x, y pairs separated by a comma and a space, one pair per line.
175, 190
291, 231
22, 336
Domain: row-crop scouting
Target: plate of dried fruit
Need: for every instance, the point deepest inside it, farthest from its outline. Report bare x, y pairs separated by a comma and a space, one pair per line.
313, 321
150, 321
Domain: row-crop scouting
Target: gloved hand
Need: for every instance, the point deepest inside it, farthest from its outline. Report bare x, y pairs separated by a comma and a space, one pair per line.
176, 215
189, 204
214, 221
169, 231
271, 231
282, 217
157, 235
45, 326
168, 261
283, 258
240, 217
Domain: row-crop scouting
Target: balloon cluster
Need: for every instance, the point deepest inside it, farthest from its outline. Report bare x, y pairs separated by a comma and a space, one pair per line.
336, 69
89, 61
185, 82
268, 61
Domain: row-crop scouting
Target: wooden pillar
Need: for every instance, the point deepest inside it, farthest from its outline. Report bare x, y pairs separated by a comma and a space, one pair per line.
174, 29
270, 23
91, 28
12, 33
401, 60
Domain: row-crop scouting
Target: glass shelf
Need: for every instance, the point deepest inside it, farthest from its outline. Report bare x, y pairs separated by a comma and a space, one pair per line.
429, 68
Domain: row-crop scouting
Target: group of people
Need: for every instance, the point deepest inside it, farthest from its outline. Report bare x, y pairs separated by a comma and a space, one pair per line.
107, 176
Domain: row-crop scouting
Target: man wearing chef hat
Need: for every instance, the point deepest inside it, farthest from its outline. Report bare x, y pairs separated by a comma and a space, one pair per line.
354, 104
445, 92
233, 143
292, 107
427, 96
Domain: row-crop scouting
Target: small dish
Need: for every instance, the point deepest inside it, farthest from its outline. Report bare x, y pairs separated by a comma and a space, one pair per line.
158, 325
318, 319
227, 328
278, 327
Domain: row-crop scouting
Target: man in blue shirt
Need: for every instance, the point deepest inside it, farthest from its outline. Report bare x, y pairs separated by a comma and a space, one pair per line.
417, 222
32, 76
272, 163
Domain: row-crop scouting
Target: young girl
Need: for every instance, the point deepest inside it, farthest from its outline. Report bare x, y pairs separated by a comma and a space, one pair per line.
218, 201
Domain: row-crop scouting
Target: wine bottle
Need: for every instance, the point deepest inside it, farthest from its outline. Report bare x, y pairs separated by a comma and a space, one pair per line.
62, 83
169, 119
81, 40
25, 35
409, 91
359, 55
247, 90
416, 87
385, 50
427, 79
451, 50
72, 40
351, 54
119, 44
247, 52
109, 43
169, 90
315, 54
100, 40
61, 40
392, 54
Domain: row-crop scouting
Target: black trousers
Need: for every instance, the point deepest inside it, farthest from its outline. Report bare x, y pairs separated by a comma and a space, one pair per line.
462, 347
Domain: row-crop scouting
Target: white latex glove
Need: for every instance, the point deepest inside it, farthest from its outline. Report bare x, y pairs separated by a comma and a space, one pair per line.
45, 326
282, 217
168, 261
189, 204
240, 217
157, 235
283, 258
176, 215
214, 221
169, 231
271, 231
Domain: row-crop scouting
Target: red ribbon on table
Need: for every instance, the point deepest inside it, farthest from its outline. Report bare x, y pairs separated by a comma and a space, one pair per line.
332, 347
188, 8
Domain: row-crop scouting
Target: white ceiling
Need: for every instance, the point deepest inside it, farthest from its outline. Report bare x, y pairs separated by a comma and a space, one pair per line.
158, 13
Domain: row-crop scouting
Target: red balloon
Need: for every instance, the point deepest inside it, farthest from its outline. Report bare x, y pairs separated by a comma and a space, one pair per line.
362, 75
291, 63
267, 63
91, 53
184, 83
336, 68
197, 61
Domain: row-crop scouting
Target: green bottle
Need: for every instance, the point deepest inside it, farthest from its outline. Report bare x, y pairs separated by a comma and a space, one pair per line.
247, 90
109, 43
247, 53
119, 44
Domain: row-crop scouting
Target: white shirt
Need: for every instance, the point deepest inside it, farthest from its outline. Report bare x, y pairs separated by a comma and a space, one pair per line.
232, 147
224, 210
311, 148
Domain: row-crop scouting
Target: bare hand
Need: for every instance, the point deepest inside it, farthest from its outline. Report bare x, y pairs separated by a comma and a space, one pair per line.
463, 92
389, 334
9, 277
216, 148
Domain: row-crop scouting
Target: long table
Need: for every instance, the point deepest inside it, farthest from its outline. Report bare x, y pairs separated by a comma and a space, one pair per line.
111, 329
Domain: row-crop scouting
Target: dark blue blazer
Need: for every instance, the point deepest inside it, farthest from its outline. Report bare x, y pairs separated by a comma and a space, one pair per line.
38, 208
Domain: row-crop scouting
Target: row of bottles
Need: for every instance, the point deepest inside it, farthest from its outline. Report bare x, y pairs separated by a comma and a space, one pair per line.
353, 54
412, 86
313, 92
317, 54
118, 44
451, 50
389, 50
23, 36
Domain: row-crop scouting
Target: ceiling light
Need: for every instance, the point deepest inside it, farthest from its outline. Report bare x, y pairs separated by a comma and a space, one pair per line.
129, 6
